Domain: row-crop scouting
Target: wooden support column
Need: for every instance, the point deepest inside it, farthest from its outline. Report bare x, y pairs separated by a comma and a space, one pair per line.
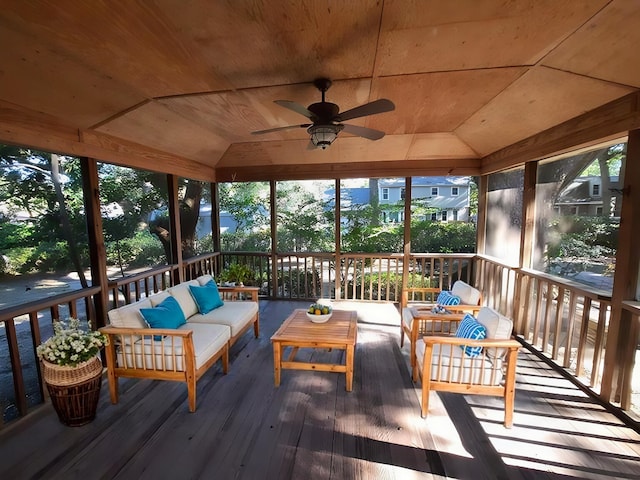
528, 214
215, 216
406, 251
97, 251
174, 227
274, 238
623, 334
481, 224
337, 241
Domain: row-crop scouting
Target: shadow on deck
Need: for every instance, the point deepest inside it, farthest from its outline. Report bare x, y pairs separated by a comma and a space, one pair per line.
310, 427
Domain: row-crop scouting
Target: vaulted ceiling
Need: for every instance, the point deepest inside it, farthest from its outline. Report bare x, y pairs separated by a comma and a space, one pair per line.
179, 86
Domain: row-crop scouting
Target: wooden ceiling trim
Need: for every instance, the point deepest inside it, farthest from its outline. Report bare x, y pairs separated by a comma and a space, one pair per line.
608, 121
129, 154
380, 169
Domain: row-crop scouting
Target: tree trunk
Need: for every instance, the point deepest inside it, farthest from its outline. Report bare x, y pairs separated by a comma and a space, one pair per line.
64, 219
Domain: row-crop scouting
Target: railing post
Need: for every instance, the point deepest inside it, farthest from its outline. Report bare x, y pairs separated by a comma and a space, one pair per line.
337, 241
406, 251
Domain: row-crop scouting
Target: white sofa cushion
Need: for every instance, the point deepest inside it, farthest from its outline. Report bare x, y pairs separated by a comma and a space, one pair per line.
160, 354
456, 367
129, 316
182, 294
498, 327
204, 279
236, 315
468, 295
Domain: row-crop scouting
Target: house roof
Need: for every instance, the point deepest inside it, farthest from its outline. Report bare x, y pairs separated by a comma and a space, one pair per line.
180, 86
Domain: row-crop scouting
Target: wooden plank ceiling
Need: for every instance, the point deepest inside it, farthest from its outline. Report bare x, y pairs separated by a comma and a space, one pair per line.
179, 86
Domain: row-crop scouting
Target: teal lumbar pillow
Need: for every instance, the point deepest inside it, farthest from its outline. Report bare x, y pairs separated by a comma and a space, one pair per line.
470, 328
167, 314
207, 297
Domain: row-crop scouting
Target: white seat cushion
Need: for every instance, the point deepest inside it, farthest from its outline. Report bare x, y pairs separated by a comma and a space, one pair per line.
456, 367
159, 355
236, 315
468, 295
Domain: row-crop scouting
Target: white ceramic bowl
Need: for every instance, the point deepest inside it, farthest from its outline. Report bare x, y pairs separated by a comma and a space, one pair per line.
319, 318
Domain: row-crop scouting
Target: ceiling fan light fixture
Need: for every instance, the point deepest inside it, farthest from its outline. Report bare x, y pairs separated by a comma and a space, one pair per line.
323, 135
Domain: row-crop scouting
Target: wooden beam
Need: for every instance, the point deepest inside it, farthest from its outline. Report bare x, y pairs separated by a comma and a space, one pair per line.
19, 126
528, 214
406, 251
397, 168
608, 121
97, 249
623, 333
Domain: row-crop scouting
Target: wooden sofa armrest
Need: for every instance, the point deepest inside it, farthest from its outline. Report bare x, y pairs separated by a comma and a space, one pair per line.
233, 293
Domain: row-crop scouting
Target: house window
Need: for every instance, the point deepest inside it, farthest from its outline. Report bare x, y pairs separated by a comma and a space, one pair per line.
455, 215
385, 194
454, 191
596, 190
402, 194
573, 210
434, 216
434, 191
599, 211
444, 215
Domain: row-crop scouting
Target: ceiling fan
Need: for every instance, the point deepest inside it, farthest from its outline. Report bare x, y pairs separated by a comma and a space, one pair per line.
327, 118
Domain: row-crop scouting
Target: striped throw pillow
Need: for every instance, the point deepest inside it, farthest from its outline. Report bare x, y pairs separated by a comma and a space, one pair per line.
447, 298
470, 328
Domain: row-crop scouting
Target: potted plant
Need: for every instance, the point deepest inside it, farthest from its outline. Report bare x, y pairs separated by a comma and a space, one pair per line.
239, 274
72, 370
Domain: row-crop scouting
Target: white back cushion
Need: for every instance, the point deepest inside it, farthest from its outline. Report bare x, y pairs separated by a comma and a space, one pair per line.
129, 316
204, 279
468, 295
182, 294
498, 327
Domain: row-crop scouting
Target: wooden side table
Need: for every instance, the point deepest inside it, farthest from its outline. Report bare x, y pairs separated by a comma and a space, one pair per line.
297, 331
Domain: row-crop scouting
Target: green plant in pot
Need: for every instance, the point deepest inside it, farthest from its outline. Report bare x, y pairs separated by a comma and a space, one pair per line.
238, 273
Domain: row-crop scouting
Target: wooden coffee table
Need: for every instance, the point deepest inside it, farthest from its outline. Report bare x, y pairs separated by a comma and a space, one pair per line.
298, 331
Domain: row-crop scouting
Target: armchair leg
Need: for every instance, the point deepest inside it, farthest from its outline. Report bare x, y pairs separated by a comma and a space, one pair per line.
425, 399
401, 336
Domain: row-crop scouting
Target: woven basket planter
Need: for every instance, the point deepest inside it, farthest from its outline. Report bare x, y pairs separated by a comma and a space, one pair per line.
74, 391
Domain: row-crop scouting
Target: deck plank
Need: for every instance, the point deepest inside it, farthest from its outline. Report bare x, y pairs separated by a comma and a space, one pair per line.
310, 427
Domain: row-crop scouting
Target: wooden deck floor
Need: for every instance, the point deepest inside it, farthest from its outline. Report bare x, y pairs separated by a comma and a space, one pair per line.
311, 428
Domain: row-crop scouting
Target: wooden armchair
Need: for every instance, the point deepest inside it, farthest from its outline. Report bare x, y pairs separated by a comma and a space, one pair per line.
418, 318
443, 363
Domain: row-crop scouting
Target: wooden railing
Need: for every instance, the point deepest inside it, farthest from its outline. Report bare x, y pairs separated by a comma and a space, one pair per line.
632, 366
26, 326
564, 320
129, 289
204, 264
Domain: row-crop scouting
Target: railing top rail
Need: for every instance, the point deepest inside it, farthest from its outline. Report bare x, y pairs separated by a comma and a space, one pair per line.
202, 256
141, 276
37, 305
590, 292
632, 306
442, 255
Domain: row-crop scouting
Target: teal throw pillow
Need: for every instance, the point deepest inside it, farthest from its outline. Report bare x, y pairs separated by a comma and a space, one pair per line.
207, 297
167, 314
447, 298
470, 328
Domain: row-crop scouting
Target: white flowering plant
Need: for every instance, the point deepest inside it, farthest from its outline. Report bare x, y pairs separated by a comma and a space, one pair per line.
71, 343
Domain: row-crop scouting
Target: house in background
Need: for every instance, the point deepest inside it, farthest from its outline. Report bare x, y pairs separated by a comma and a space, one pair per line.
447, 197
584, 196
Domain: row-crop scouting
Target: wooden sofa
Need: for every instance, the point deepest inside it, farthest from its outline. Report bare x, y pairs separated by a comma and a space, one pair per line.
183, 354
443, 364
417, 316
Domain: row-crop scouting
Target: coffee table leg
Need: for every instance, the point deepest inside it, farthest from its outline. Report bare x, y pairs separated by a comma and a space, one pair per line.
349, 362
277, 361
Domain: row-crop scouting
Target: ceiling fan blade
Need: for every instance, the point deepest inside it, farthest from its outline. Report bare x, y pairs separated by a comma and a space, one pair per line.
296, 107
277, 129
371, 108
364, 132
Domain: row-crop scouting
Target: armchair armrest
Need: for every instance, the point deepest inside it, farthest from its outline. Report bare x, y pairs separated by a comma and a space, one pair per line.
485, 343
232, 293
